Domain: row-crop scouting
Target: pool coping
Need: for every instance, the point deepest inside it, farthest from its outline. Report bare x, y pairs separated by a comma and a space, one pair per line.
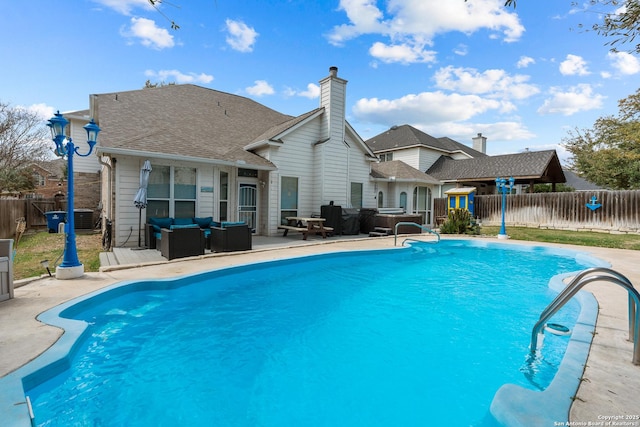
622, 258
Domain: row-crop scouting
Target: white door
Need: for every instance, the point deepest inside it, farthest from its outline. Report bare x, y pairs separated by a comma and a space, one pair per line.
248, 204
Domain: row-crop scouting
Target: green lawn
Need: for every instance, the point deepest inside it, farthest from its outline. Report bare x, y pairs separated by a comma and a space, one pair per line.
582, 238
36, 247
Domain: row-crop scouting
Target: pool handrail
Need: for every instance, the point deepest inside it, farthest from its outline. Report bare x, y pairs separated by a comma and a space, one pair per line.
577, 283
414, 224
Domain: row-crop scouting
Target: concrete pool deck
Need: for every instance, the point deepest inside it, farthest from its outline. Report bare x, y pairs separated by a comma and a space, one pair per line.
610, 386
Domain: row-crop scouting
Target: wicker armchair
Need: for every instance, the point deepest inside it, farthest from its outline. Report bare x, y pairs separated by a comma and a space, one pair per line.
230, 238
182, 242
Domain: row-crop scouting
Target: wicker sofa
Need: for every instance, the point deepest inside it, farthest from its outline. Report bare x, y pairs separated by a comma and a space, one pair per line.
218, 236
154, 227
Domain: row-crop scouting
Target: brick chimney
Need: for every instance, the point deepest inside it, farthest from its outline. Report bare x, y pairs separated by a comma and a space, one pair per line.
480, 143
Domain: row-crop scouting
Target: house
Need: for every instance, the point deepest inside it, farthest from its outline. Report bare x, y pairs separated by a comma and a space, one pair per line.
49, 179
223, 155
578, 183
453, 164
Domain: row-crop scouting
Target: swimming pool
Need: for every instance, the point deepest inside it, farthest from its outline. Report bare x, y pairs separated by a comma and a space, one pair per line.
431, 332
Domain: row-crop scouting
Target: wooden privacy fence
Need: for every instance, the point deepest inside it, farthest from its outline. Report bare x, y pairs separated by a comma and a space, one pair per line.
32, 210
619, 210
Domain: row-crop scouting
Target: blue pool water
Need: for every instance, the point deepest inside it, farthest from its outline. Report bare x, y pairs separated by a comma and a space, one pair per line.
414, 336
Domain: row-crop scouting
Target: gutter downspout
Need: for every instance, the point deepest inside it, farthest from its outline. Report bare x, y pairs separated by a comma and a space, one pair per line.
108, 199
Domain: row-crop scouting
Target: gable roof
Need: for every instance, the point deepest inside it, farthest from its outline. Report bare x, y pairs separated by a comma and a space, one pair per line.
398, 170
184, 121
578, 183
275, 132
406, 136
542, 166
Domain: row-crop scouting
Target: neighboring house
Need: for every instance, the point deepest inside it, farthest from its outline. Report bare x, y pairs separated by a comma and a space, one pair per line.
405, 153
579, 184
454, 164
226, 156
49, 179
400, 185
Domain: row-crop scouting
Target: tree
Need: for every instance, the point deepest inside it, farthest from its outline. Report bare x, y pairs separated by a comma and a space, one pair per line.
609, 154
620, 21
23, 140
155, 4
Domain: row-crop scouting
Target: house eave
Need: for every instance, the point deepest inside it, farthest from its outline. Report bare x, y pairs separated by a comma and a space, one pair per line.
218, 162
263, 143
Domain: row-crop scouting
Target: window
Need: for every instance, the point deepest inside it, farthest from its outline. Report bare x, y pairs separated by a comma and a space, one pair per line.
171, 192
224, 196
184, 192
403, 200
39, 179
422, 203
380, 199
386, 157
356, 195
288, 198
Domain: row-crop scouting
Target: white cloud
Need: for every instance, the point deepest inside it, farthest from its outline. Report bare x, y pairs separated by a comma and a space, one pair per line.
241, 37
492, 83
403, 53
179, 77
576, 99
426, 108
260, 88
461, 49
525, 61
410, 25
312, 91
44, 111
149, 34
125, 7
574, 65
497, 131
624, 63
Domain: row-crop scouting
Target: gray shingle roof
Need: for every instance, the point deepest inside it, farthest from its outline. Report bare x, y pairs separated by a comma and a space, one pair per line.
184, 120
578, 183
401, 171
543, 166
407, 136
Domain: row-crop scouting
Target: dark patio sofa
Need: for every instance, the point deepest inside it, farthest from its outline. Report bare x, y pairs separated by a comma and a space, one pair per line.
154, 227
218, 236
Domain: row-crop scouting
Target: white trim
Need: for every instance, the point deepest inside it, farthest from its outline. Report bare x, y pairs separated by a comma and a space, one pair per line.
163, 156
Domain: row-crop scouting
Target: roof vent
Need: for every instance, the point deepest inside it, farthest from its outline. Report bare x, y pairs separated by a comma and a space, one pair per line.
394, 127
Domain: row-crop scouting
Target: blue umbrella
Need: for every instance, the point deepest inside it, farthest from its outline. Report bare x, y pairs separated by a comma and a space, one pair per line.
140, 201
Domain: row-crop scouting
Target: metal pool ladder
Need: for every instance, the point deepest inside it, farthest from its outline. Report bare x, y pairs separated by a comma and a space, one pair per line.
422, 227
583, 278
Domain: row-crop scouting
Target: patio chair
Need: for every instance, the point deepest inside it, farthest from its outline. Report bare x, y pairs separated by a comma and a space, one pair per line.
182, 242
230, 237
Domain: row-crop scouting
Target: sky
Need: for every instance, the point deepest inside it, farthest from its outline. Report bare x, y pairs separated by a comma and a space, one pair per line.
522, 77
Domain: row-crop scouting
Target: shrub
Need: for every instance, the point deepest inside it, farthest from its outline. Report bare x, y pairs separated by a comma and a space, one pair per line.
459, 221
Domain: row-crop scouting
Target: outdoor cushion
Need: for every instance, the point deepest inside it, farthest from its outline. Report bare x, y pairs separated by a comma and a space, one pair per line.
203, 222
231, 224
182, 221
161, 222
179, 226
